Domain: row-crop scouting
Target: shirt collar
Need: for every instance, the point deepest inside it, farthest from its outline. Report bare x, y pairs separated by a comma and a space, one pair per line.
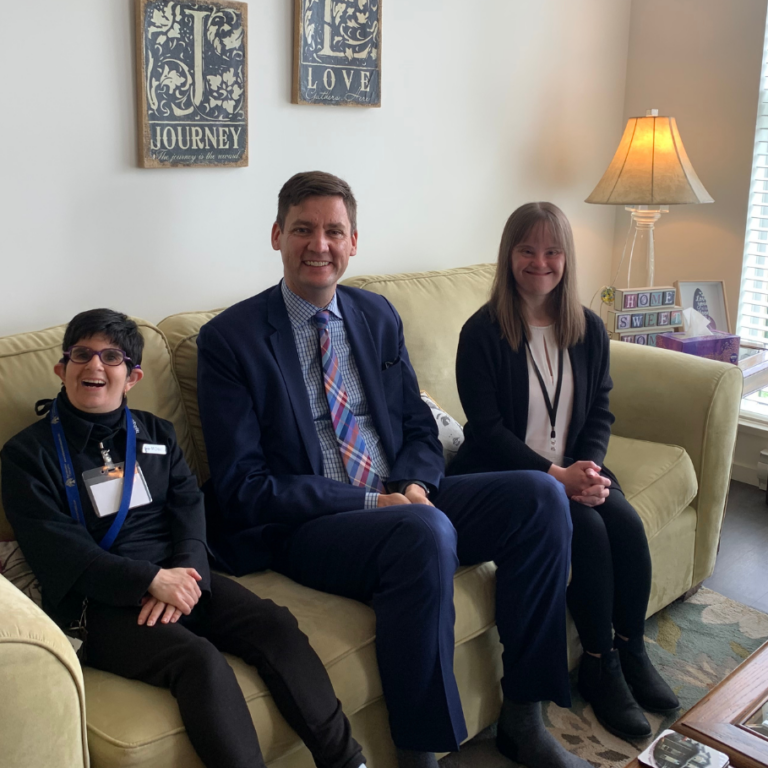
78, 427
301, 311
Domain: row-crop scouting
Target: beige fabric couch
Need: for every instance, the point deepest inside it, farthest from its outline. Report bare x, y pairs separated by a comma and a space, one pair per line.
672, 448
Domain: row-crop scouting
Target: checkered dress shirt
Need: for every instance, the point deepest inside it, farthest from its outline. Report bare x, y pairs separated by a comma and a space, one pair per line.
305, 335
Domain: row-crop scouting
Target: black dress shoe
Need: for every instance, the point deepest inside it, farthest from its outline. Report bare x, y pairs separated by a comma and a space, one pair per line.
602, 684
648, 687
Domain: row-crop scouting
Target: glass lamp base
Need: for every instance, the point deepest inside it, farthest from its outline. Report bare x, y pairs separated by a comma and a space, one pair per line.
636, 266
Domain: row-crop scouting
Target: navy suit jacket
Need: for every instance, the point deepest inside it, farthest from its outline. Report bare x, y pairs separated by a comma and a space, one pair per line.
264, 454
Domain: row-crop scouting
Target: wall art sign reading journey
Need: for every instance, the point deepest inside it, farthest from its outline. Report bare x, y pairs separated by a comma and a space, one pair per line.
337, 56
192, 83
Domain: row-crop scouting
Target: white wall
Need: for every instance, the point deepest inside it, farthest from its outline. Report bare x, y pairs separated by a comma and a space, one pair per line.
699, 62
485, 106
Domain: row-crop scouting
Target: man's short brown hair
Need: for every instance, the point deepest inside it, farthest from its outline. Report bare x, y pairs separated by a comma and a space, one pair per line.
315, 184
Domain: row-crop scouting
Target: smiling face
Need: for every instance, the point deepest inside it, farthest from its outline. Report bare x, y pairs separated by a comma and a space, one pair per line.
316, 244
94, 387
538, 264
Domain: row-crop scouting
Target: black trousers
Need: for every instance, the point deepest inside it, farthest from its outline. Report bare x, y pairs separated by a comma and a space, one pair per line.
186, 658
402, 559
611, 572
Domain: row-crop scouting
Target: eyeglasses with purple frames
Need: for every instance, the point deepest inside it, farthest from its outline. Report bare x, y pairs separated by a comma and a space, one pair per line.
110, 356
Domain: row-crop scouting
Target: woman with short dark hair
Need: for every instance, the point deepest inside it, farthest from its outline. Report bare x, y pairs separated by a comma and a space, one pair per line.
131, 564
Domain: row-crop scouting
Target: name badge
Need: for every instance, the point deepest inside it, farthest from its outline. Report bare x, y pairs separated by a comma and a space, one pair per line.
154, 448
105, 489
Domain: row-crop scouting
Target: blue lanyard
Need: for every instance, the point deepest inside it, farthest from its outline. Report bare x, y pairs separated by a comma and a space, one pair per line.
70, 483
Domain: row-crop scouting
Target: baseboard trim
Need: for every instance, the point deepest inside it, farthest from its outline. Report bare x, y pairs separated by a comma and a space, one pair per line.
744, 473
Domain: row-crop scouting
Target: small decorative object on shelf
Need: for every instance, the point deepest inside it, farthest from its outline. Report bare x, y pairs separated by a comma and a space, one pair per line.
707, 297
645, 298
636, 310
647, 339
607, 295
668, 318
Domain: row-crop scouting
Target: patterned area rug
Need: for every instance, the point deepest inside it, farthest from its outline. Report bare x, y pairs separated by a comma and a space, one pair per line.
694, 644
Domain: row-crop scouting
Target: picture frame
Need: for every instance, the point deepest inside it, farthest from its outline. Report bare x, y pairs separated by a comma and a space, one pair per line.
337, 53
192, 83
707, 297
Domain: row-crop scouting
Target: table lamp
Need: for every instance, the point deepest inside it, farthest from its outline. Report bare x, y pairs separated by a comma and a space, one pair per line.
649, 172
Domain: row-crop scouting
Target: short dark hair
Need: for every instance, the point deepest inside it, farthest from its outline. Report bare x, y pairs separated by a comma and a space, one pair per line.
315, 184
117, 327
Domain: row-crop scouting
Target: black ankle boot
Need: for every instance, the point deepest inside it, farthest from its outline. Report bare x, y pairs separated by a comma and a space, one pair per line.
602, 684
647, 685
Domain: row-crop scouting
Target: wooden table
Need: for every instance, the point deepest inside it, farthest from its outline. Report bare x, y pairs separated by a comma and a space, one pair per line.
718, 719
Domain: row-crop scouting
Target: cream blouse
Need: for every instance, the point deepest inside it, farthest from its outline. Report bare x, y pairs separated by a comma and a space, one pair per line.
543, 347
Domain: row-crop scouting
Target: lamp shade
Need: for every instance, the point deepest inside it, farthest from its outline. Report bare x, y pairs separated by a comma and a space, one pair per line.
650, 167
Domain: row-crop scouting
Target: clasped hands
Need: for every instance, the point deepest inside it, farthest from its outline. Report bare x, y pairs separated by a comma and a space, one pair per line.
413, 494
583, 482
173, 592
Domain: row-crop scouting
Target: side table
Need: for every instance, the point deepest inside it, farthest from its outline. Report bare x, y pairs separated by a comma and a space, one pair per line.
720, 718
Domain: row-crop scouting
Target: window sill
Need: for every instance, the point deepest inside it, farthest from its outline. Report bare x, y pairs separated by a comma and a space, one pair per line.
753, 424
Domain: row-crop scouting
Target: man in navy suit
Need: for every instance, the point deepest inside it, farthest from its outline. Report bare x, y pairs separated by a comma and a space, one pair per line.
325, 465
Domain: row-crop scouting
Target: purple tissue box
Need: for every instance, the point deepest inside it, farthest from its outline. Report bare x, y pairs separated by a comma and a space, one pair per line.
722, 346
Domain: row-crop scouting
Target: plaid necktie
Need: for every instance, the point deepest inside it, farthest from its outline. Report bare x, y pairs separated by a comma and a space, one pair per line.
354, 452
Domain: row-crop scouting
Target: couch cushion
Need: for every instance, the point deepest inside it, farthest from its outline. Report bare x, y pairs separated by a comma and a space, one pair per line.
181, 331
127, 719
658, 480
434, 307
26, 370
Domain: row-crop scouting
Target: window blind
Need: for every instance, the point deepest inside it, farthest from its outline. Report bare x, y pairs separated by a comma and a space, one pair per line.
753, 296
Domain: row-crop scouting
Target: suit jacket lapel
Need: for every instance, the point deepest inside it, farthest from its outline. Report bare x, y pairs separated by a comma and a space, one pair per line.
284, 349
369, 366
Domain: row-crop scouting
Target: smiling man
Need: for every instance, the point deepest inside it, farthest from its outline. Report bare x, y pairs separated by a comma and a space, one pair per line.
131, 565
326, 466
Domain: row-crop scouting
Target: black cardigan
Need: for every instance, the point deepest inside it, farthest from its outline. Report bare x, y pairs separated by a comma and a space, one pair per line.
493, 386
65, 556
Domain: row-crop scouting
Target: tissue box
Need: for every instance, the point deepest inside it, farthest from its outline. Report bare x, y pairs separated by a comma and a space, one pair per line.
719, 346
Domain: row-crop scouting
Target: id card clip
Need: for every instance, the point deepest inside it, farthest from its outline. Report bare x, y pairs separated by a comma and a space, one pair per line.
109, 465
105, 486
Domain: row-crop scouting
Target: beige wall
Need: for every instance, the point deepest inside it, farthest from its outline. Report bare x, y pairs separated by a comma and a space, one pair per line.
485, 106
699, 61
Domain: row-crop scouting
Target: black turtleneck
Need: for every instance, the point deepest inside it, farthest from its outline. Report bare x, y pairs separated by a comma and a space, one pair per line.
66, 558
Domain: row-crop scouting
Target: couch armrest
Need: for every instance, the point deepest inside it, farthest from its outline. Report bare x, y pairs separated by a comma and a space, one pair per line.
42, 707
670, 397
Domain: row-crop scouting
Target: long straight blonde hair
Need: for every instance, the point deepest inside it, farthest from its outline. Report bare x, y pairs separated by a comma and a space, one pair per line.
505, 303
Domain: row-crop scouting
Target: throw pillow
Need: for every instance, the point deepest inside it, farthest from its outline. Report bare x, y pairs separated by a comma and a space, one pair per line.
16, 569
449, 431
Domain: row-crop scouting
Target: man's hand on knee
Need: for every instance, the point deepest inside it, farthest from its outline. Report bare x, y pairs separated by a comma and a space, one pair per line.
417, 495
177, 587
392, 499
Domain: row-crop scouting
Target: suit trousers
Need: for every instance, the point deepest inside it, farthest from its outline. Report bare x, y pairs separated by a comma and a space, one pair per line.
186, 658
402, 560
611, 580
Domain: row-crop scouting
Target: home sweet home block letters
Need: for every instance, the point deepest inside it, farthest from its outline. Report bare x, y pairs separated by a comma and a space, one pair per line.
192, 78
337, 56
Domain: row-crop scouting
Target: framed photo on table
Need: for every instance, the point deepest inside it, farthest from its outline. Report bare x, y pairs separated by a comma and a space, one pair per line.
706, 297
